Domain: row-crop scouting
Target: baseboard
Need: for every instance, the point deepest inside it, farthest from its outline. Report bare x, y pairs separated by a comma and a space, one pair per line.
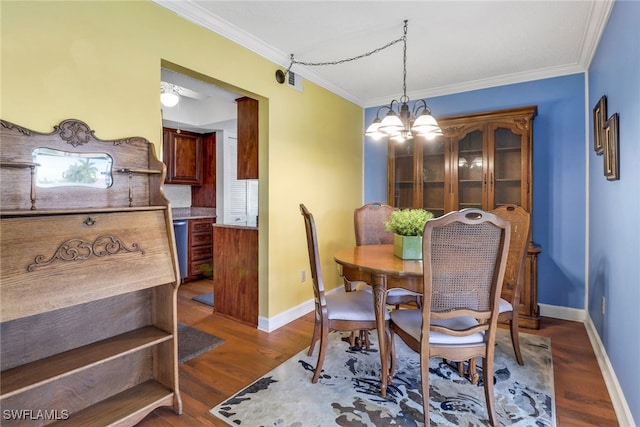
564, 313
270, 324
620, 405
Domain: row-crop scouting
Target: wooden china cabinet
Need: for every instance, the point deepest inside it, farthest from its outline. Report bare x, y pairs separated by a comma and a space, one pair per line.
483, 160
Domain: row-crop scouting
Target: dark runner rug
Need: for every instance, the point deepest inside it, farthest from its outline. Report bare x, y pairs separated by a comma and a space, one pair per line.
348, 391
193, 342
205, 298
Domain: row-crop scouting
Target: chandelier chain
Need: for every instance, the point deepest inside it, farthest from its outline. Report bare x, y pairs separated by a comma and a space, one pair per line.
355, 58
404, 67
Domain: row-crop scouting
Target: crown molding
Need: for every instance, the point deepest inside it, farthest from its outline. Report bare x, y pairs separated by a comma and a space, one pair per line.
191, 11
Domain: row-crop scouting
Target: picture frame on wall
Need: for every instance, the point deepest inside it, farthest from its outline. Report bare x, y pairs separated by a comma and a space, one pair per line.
599, 121
611, 149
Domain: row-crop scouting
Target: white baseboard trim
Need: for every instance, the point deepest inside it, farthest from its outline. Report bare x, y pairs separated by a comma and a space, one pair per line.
564, 313
620, 405
270, 324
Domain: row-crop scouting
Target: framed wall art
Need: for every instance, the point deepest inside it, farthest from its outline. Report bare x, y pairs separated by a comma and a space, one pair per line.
599, 121
611, 149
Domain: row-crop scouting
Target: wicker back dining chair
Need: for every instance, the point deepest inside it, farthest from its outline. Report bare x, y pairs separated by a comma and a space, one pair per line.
368, 223
337, 311
464, 260
520, 221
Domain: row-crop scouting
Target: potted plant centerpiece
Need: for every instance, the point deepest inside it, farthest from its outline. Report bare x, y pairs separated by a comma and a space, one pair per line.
407, 226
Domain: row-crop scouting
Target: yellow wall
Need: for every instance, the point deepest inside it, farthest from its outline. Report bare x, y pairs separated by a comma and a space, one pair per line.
100, 62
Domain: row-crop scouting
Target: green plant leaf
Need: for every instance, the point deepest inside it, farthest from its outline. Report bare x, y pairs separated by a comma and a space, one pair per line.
408, 222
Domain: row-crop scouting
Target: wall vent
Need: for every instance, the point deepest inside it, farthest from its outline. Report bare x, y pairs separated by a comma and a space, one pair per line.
294, 81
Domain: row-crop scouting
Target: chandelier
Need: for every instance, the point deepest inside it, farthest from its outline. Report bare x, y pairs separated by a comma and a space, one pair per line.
400, 123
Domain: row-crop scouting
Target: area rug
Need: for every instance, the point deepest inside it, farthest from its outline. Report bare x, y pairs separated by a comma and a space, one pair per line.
348, 391
193, 342
204, 298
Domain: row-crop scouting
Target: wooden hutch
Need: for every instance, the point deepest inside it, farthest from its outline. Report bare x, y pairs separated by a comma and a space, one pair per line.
89, 279
483, 160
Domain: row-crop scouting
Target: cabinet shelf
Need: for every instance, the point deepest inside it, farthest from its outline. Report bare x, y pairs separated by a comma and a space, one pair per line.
125, 408
34, 374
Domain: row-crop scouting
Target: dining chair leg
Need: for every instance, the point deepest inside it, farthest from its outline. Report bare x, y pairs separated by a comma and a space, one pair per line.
324, 337
515, 338
474, 377
391, 354
487, 377
424, 379
314, 336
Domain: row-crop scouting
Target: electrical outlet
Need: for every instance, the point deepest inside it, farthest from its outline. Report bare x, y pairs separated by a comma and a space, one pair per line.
303, 276
604, 304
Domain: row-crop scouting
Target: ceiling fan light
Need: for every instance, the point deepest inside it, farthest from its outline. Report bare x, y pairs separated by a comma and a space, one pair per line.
169, 99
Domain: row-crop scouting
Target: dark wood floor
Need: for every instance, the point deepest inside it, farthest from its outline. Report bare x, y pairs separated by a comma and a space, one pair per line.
581, 394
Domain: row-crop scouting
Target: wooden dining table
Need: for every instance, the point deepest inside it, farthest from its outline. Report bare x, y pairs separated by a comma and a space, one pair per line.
377, 266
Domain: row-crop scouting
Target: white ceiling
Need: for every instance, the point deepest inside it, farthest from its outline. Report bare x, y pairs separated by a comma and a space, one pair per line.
452, 46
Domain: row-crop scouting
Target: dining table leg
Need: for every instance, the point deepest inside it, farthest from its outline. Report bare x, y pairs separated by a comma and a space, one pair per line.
380, 301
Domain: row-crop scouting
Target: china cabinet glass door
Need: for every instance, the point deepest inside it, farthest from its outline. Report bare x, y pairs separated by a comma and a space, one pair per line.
506, 180
471, 170
404, 172
433, 176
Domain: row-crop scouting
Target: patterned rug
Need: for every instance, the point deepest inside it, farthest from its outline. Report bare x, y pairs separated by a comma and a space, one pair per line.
348, 391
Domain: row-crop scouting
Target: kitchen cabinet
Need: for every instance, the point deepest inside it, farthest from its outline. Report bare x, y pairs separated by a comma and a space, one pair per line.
200, 261
235, 286
204, 196
182, 152
247, 138
483, 161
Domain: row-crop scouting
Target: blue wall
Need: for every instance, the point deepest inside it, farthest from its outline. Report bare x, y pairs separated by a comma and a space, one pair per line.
558, 174
614, 206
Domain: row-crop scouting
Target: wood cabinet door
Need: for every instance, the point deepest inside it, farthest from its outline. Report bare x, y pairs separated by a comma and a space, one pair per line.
435, 176
247, 138
509, 171
182, 153
469, 168
404, 191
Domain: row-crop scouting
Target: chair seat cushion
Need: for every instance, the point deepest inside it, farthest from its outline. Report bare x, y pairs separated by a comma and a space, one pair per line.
504, 306
357, 305
410, 321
